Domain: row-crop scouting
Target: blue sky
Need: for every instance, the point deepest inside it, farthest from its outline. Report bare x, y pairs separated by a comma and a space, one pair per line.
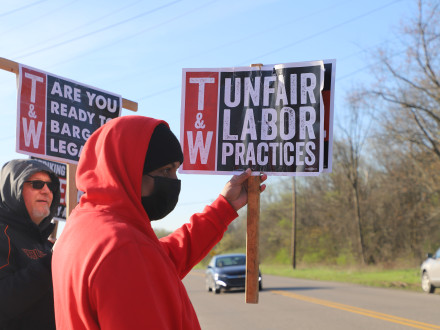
138, 48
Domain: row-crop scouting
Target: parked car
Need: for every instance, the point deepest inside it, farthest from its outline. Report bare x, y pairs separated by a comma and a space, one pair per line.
227, 271
430, 271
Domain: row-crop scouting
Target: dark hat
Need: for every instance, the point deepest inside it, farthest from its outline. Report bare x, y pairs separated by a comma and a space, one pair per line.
164, 148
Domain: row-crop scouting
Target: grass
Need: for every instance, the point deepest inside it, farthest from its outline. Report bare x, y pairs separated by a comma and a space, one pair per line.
408, 279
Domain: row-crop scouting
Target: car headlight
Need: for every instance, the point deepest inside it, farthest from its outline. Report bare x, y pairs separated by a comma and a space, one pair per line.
220, 276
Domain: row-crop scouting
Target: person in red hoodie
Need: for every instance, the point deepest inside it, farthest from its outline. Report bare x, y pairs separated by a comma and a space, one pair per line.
110, 271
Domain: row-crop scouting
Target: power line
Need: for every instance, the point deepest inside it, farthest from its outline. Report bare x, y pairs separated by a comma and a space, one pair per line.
185, 14
337, 79
322, 10
48, 13
322, 32
93, 21
147, 29
21, 8
99, 30
138, 33
366, 67
289, 45
165, 22
228, 44
159, 93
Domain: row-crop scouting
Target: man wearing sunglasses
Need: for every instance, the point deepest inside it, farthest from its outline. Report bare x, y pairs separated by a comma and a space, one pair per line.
30, 195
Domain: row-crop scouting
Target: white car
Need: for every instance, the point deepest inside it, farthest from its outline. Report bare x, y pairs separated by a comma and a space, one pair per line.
430, 270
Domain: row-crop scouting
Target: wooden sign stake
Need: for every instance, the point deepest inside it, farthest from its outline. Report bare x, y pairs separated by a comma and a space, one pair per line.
253, 235
71, 192
252, 240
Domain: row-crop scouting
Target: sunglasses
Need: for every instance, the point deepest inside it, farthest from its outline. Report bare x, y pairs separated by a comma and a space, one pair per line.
39, 184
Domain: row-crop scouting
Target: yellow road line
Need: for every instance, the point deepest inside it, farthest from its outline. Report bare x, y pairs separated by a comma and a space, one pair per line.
361, 311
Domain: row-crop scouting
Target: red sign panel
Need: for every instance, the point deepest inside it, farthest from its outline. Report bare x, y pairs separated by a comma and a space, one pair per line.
32, 115
200, 124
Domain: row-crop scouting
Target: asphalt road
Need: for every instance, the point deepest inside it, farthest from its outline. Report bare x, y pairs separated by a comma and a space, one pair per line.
287, 303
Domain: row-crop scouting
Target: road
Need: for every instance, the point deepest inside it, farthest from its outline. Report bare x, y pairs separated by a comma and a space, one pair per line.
287, 303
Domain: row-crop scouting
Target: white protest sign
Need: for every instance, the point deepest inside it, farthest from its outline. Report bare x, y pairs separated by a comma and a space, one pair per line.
270, 119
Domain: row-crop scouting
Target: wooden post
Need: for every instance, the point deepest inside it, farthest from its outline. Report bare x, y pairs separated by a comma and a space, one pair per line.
8, 65
252, 240
72, 192
253, 235
53, 234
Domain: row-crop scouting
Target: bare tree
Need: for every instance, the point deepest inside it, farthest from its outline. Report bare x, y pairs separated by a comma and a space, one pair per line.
349, 152
410, 85
408, 97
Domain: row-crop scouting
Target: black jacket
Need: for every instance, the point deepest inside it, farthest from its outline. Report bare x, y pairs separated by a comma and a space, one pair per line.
26, 294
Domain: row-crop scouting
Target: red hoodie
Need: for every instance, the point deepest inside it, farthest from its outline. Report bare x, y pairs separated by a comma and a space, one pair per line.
109, 269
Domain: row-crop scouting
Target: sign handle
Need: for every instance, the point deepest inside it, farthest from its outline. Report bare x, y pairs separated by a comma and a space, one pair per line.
252, 240
72, 192
53, 234
253, 235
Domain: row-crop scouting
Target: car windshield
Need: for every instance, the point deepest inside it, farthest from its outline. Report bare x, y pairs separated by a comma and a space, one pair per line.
230, 261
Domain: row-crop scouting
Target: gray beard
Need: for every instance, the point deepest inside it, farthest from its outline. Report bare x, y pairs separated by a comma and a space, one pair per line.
39, 214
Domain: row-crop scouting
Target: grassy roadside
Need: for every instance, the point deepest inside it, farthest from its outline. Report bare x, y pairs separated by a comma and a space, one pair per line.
408, 279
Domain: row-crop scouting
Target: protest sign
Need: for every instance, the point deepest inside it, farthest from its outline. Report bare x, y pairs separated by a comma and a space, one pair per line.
57, 115
75, 111
270, 119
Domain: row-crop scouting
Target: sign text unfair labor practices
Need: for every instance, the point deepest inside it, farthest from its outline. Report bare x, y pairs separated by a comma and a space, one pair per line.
269, 118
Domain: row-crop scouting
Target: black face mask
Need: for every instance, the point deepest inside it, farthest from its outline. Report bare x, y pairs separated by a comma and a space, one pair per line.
163, 199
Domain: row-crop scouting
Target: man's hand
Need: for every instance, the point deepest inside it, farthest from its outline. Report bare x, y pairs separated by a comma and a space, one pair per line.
235, 191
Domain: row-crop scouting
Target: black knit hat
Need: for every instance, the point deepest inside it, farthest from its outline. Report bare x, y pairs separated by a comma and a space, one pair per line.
164, 148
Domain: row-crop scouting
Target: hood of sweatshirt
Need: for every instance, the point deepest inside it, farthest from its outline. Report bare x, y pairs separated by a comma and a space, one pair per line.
110, 168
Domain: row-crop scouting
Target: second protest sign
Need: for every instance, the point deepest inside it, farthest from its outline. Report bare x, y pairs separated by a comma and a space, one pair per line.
56, 115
